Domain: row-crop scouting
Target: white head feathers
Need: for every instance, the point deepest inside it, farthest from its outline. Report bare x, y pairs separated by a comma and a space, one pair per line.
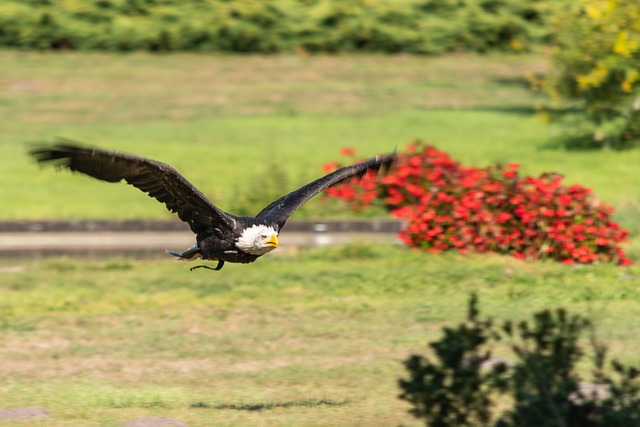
258, 240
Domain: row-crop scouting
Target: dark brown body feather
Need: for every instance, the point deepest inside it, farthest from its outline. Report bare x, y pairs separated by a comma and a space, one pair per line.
219, 244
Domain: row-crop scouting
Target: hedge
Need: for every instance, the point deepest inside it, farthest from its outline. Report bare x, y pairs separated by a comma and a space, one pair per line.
274, 26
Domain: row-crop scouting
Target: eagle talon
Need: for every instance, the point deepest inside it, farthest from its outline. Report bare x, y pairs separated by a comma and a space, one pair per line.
218, 267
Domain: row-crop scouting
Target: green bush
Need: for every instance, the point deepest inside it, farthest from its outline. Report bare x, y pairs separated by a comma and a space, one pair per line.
460, 385
595, 88
411, 26
454, 389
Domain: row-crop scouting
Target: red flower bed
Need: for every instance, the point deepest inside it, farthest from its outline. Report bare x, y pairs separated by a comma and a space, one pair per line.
493, 209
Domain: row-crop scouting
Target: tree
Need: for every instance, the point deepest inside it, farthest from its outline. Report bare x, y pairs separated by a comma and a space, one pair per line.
595, 87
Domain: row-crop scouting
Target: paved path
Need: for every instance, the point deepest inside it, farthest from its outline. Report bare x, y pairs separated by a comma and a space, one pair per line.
144, 238
148, 243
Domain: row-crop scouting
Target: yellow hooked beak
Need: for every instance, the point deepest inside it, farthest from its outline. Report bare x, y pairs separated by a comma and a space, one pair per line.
272, 241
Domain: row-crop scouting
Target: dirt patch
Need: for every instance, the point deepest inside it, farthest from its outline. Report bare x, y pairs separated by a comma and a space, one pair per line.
23, 413
13, 269
154, 422
101, 367
588, 391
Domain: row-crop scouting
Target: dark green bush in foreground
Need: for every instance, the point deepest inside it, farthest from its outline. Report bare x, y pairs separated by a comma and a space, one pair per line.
458, 386
412, 26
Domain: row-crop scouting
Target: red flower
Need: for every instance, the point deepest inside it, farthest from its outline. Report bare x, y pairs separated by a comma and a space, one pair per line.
330, 167
503, 217
448, 206
348, 152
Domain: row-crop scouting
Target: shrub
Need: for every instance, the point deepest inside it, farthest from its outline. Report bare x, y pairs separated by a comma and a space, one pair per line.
595, 87
411, 26
461, 384
493, 209
454, 389
264, 187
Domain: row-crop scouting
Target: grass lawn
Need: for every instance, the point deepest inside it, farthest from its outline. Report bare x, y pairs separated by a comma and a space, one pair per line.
226, 121
309, 338
313, 338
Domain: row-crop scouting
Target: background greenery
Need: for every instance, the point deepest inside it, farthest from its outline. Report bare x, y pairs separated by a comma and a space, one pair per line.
225, 121
594, 86
410, 26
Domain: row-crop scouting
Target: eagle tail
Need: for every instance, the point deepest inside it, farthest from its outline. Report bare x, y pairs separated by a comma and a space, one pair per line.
190, 254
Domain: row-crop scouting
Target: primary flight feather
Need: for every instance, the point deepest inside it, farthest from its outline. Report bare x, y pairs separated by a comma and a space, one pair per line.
220, 236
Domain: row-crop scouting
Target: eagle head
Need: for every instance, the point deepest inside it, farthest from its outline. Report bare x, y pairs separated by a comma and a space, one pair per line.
258, 239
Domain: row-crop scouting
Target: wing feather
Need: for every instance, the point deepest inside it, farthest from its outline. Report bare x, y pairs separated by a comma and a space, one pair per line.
279, 211
157, 179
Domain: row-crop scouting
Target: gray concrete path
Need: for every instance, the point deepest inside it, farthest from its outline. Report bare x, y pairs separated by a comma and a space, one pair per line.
149, 243
19, 241
145, 238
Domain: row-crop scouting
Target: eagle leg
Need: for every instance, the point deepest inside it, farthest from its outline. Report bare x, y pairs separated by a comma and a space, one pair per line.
218, 267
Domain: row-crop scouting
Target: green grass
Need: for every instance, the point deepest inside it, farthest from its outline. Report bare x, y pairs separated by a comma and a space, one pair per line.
224, 121
314, 338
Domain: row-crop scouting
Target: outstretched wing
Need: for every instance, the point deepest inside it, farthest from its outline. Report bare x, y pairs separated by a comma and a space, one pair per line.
279, 211
157, 179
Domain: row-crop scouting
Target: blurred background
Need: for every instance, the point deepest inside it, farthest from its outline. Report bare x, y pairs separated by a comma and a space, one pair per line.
249, 100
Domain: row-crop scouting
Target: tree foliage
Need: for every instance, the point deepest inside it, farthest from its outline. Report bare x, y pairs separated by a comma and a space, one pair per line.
595, 87
410, 26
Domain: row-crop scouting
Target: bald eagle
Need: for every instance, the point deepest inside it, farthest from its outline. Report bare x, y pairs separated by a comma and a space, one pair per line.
220, 236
